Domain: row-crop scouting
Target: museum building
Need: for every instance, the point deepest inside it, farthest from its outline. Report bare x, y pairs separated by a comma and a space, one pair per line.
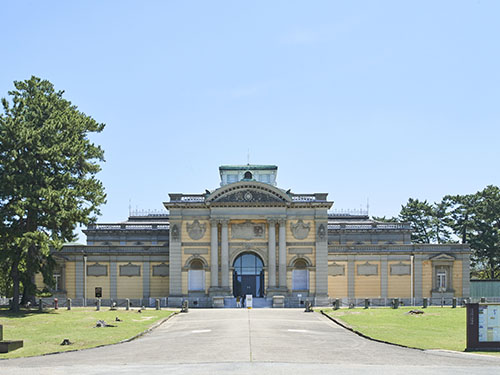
250, 237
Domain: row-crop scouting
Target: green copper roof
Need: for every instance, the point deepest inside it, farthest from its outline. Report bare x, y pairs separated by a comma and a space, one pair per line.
247, 167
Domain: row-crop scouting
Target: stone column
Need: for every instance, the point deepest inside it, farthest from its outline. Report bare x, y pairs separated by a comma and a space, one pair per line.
175, 260
282, 254
384, 276
271, 269
214, 254
224, 255
322, 260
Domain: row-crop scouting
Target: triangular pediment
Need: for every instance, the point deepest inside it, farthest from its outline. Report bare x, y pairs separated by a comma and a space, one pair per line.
442, 256
248, 192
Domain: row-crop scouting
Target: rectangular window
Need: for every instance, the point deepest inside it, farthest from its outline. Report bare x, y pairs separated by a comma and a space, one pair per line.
57, 280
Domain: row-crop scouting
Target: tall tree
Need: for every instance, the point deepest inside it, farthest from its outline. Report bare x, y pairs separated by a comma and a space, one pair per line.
47, 178
461, 214
485, 237
419, 215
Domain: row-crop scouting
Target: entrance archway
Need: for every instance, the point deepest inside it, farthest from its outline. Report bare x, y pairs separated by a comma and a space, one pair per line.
248, 275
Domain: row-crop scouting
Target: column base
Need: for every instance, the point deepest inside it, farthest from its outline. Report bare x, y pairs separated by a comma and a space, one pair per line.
321, 300
276, 291
219, 291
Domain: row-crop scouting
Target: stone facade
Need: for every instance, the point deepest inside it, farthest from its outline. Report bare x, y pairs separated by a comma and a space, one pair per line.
250, 237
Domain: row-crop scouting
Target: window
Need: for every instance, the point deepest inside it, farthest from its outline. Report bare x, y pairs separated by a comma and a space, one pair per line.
196, 276
441, 280
248, 175
300, 275
57, 282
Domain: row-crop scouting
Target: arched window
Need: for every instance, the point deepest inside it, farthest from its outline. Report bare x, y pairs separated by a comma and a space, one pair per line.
196, 276
248, 175
300, 275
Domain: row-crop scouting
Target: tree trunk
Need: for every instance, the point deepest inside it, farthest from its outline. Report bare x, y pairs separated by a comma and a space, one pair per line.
15, 286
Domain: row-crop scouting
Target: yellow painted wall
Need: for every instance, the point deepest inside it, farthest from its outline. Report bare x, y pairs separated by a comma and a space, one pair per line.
398, 285
39, 281
98, 281
337, 285
128, 286
158, 285
426, 278
366, 286
70, 282
457, 278
184, 277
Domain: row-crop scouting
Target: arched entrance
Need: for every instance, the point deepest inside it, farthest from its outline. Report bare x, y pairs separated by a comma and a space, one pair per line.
248, 275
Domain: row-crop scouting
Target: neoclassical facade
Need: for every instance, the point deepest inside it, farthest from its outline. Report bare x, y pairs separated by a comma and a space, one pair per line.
250, 237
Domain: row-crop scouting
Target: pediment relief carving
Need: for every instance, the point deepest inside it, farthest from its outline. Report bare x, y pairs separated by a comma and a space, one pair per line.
336, 269
249, 195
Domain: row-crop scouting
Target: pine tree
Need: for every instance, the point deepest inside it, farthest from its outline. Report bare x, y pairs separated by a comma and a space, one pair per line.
47, 179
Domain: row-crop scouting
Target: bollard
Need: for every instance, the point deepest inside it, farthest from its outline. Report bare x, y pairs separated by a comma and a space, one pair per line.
127, 304
425, 303
158, 307
40, 305
185, 306
336, 306
367, 303
483, 299
56, 303
69, 303
395, 303
98, 304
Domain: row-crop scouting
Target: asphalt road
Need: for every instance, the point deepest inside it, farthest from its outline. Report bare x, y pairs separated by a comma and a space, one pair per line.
258, 341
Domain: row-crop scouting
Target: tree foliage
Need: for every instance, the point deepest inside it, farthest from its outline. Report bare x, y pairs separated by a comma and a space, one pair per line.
47, 178
472, 218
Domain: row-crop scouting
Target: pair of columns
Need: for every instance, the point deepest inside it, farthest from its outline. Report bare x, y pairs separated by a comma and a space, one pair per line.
214, 254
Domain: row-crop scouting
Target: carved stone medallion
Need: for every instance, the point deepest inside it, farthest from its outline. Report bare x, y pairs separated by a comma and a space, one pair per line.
174, 232
300, 230
247, 230
321, 232
196, 230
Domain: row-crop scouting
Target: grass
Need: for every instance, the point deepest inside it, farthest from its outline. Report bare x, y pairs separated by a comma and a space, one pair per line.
43, 332
437, 328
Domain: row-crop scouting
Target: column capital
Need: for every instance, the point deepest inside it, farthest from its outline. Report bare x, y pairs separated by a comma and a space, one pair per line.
282, 221
224, 222
272, 220
214, 221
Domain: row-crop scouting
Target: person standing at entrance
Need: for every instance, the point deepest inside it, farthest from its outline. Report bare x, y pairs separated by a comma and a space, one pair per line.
238, 301
243, 301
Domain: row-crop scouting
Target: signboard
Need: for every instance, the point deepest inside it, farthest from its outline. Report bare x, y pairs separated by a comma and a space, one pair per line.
248, 301
489, 323
483, 326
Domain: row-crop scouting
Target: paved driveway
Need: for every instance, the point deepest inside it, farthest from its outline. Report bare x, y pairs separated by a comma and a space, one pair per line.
259, 341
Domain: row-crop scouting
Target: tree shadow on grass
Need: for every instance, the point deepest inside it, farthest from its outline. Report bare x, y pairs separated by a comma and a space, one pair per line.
23, 313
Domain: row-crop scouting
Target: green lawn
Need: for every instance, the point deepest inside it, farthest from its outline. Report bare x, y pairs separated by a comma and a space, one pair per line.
43, 332
437, 328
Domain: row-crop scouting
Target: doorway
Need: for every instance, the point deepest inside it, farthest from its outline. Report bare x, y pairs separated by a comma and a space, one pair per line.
248, 275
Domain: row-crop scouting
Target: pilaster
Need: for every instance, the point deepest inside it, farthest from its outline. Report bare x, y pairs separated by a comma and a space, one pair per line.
282, 253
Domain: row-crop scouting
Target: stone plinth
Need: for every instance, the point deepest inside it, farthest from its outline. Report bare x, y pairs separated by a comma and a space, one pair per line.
218, 301
278, 301
8, 345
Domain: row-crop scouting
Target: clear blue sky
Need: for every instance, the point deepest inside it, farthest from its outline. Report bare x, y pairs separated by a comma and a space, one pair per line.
383, 100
